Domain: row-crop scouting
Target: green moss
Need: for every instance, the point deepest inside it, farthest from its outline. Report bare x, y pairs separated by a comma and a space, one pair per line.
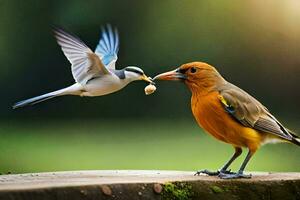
230, 188
177, 191
216, 189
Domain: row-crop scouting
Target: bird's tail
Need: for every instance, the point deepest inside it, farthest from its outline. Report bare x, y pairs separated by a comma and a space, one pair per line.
296, 138
36, 100
44, 97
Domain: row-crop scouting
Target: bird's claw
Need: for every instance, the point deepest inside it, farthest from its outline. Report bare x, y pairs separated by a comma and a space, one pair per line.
207, 172
226, 172
233, 175
212, 173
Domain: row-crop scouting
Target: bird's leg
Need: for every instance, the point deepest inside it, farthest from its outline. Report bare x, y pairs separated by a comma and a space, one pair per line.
237, 153
223, 170
240, 173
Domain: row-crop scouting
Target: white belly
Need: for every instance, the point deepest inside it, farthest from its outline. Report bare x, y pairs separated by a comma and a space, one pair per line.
104, 85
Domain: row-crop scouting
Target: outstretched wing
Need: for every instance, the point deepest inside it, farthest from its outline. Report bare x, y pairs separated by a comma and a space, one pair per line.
85, 63
108, 47
250, 112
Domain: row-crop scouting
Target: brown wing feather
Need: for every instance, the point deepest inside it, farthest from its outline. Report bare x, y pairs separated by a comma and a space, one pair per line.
250, 112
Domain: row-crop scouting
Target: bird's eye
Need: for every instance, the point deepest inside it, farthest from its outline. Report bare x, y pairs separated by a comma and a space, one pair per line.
193, 69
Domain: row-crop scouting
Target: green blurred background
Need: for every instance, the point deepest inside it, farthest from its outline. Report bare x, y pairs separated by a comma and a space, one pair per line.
254, 44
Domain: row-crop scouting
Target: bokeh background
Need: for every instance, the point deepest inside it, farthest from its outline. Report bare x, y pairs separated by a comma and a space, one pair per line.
254, 44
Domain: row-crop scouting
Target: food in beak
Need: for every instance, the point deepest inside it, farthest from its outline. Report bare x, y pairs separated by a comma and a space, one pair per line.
149, 89
148, 79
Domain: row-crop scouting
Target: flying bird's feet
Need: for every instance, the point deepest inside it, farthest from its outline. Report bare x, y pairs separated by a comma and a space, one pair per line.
234, 175
212, 173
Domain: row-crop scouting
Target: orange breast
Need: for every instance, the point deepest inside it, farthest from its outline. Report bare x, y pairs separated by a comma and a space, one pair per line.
213, 118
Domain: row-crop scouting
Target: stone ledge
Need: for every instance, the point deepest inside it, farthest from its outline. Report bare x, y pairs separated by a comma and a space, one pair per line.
146, 184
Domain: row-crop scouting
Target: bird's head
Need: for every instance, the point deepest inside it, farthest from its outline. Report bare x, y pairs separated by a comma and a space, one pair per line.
196, 75
134, 74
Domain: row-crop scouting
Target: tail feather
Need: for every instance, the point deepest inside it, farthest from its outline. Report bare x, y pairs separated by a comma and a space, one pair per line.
296, 138
296, 141
35, 100
74, 89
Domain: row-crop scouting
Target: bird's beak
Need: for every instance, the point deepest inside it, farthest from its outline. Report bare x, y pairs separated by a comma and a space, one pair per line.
170, 76
147, 79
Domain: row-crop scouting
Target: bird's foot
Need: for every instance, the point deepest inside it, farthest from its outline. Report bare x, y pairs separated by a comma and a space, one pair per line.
207, 172
234, 175
212, 173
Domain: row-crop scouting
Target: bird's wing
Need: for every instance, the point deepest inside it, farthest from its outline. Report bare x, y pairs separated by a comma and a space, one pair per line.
250, 112
108, 47
85, 63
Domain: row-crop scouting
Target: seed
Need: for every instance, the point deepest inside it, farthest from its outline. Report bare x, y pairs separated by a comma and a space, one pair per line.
149, 89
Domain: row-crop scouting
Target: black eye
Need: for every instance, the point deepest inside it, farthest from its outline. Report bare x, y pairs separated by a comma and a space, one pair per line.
193, 69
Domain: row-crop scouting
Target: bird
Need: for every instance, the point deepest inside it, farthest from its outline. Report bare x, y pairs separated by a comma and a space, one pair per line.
229, 114
95, 73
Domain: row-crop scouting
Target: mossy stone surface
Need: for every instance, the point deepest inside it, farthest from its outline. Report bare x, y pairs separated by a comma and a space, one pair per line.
177, 191
146, 185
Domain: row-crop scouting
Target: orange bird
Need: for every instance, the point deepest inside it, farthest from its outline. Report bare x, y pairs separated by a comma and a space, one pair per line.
229, 114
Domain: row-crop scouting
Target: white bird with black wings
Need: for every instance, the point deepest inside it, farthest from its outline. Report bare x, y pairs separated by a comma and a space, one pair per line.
94, 72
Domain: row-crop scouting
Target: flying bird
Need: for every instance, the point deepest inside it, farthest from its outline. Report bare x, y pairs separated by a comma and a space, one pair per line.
229, 114
95, 73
